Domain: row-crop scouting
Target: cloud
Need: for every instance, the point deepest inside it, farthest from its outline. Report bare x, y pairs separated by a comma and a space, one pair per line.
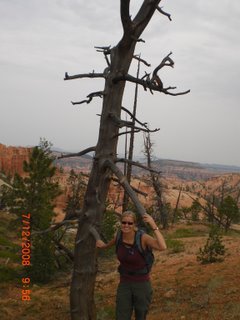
40, 40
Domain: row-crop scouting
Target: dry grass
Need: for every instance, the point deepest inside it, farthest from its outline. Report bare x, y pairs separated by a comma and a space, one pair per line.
183, 288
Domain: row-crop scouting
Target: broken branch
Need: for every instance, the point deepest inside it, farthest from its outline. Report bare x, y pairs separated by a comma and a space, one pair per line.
144, 124
106, 51
79, 154
164, 13
84, 75
90, 97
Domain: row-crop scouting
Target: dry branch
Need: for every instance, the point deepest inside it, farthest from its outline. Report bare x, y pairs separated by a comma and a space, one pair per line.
148, 85
129, 124
154, 83
137, 164
90, 97
106, 51
123, 181
119, 122
84, 75
125, 132
164, 13
144, 124
142, 60
78, 154
137, 39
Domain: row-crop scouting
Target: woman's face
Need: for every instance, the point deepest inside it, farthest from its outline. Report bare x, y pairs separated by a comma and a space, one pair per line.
127, 224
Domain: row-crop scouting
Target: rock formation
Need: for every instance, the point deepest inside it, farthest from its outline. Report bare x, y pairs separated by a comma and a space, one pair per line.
12, 158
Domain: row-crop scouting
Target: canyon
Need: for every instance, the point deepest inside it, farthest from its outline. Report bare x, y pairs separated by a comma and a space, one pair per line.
195, 180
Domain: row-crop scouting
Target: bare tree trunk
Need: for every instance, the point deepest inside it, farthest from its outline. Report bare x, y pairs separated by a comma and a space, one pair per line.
83, 280
176, 207
131, 143
155, 181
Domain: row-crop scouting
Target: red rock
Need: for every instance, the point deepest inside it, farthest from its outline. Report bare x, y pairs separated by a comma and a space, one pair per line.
12, 158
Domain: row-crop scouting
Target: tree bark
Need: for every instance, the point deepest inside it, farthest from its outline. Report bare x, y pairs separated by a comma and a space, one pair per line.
83, 279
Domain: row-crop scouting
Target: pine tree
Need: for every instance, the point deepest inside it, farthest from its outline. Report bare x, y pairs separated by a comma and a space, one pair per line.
34, 194
228, 212
214, 249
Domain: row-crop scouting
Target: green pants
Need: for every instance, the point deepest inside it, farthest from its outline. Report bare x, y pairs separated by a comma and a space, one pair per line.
133, 296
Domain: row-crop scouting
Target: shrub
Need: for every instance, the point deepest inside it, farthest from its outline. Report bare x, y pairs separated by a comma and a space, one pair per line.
214, 250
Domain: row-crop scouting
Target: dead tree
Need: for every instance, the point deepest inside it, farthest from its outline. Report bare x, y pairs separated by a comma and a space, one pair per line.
131, 144
116, 75
175, 211
155, 179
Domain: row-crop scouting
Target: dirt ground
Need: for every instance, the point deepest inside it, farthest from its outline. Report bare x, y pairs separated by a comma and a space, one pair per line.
184, 289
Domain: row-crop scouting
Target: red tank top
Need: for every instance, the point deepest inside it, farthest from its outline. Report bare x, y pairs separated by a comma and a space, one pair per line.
131, 260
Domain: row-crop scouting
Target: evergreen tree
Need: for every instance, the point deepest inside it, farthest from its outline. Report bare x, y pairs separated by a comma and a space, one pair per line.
195, 210
228, 212
34, 194
214, 249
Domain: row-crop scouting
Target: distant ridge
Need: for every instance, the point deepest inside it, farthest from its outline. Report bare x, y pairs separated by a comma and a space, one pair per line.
221, 167
185, 170
189, 164
192, 170
11, 159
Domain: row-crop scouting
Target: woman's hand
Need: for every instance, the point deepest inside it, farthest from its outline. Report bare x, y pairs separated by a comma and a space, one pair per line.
148, 219
100, 244
158, 243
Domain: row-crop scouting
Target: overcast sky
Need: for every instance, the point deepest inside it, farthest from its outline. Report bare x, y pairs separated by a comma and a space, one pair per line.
41, 40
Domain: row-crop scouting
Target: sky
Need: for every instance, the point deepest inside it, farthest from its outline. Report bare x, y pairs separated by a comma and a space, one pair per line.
41, 40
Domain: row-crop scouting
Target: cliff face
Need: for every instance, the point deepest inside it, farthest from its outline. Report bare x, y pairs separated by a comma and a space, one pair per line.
11, 159
11, 162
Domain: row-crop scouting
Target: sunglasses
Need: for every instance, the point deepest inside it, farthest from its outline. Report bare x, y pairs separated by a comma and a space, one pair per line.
126, 222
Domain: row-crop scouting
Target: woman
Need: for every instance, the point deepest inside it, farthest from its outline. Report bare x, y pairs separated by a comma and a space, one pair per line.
134, 291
